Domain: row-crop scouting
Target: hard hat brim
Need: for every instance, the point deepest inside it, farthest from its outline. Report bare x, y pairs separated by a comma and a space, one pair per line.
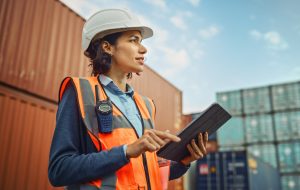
146, 32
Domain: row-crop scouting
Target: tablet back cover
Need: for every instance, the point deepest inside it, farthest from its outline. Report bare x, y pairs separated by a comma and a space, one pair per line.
210, 120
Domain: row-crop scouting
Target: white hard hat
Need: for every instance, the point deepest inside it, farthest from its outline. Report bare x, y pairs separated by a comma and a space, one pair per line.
110, 21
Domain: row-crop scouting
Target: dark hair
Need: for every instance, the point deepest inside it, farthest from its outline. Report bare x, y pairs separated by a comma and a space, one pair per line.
100, 60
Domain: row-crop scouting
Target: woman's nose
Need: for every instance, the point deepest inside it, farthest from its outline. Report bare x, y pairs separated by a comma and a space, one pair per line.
142, 49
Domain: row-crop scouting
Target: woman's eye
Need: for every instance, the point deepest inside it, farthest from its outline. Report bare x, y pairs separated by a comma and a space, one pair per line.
135, 40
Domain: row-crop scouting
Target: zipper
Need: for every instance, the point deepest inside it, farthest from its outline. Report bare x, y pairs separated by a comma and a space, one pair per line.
146, 170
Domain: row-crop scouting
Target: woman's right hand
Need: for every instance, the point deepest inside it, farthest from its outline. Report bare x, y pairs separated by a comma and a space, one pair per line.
151, 141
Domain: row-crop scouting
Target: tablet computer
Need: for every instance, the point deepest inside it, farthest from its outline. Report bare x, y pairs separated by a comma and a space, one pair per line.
209, 120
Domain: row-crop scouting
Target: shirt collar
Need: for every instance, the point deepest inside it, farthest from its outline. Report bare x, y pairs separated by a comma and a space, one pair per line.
109, 83
105, 80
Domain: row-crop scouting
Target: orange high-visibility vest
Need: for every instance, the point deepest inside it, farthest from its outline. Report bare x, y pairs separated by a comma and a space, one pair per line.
141, 172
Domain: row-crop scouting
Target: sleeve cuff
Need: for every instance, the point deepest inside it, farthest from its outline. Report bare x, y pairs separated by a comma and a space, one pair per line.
124, 150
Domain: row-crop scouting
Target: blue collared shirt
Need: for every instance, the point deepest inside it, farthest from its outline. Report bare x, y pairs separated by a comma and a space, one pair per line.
124, 101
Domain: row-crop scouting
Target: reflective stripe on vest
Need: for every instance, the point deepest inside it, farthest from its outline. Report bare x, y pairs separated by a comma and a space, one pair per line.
131, 175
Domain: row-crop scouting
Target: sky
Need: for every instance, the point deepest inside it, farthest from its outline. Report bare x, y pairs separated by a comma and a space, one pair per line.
208, 46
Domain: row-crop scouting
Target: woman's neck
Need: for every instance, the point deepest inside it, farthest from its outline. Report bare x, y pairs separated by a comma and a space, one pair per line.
119, 78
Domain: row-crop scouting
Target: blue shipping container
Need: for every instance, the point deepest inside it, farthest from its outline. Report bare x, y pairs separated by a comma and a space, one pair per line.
236, 170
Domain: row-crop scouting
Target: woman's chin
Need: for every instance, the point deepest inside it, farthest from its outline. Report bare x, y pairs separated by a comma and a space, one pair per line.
139, 69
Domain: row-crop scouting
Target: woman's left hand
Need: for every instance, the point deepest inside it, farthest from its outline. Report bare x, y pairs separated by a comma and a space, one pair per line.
197, 151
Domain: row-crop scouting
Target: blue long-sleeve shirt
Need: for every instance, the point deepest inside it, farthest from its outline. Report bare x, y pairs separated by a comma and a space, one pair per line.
73, 157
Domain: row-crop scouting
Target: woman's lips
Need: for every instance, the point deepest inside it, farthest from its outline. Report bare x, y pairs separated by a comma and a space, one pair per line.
140, 60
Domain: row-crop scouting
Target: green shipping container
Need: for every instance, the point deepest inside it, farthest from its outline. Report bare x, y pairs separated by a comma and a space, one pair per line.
256, 100
231, 133
231, 101
287, 125
289, 157
290, 182
259, 128
297, 156
231, 148
266, 152
286, 96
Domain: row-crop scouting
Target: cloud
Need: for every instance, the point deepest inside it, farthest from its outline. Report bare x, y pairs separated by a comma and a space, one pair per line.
83, 8
196, 50
178, 22
209, 32
255, 34
86, 8
175, 59
194, 3
272, 39
158, 3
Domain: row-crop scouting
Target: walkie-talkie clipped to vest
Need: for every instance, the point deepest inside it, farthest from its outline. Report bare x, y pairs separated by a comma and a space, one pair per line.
104, 113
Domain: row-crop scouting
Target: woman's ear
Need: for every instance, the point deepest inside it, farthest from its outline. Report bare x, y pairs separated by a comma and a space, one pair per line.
107, 47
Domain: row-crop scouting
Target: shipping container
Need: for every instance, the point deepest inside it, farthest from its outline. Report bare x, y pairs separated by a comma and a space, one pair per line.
290, 182
289, 157
167, 99
40, 44
297, 155
189, 178
287, 125
185, 120
231, 133
267, 152
212, 146
231, 101
26, 127
231, 148
259, 128
235, 170
286, 96
256, 100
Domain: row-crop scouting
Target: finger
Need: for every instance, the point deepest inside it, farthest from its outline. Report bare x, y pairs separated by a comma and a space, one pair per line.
196, 148
192, 152
158, 140
201, 143
205, 138
153, 142
167, 140
148, 146
166, 135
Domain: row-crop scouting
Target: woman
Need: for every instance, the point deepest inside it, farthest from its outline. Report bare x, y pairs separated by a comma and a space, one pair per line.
105, 136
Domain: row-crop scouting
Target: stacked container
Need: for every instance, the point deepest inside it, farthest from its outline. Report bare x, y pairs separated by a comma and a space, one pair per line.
266, 123
235, 170
266, 152
232, 133
231, 101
